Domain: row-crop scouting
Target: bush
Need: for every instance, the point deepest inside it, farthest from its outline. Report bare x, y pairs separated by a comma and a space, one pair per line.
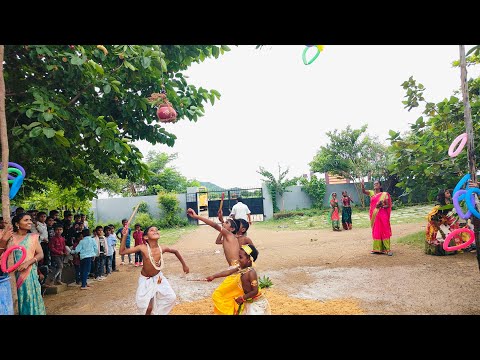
315, 188
144, 220
143, 208
170, 208
90, 219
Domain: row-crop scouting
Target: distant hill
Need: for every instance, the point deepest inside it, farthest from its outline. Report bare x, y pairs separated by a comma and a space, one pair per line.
210, 186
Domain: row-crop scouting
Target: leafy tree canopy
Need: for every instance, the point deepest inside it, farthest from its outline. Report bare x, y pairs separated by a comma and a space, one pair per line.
277, 185
421, 159
73, 111
352, 154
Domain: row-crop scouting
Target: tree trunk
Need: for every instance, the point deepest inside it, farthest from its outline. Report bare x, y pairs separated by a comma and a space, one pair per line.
4, 175
133, 191
470, 140
360, 194
4, 140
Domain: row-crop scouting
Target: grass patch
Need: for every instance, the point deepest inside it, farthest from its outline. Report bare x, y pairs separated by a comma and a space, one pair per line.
415, 239
171, 236
319, 219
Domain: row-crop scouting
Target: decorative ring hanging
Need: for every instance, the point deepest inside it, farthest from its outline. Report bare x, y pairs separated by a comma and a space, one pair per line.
457, 205
462, 139
304, 55
7, 253
459, 185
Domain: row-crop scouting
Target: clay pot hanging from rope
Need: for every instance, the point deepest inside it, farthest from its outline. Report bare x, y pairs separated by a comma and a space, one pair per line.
165, 111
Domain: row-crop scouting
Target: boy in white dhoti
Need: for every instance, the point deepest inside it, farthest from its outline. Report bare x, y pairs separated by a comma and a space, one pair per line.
154, 295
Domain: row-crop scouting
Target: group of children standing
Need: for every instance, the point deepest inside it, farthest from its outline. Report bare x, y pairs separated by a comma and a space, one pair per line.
69, 242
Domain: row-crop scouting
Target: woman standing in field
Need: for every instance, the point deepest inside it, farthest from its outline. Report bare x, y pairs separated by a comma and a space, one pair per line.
334, 213
380, 210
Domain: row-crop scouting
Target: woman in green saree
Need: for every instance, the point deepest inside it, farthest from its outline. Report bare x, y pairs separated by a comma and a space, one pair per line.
30, 301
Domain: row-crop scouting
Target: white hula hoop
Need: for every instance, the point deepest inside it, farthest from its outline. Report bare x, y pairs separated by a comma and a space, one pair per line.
463, 138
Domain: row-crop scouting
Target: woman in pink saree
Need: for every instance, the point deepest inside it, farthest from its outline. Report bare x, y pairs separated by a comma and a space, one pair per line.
30, 301
380, 210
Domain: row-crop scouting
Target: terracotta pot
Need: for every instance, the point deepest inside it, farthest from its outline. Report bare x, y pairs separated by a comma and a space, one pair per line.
166, 113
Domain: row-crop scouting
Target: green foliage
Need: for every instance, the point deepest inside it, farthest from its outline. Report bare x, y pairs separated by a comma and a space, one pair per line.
52, 196
74, 109
144, 219
416, 239
313, 219
163, 178
277, 185
264, 282
352, 154
113, 185
143, 208
475, 50
414, 93
315, 188
170, 208
421, 159
90, 219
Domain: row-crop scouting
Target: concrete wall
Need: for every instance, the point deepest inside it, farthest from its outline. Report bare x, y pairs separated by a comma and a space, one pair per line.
350, 188
294, 198
116, 209
297, 199
267, 203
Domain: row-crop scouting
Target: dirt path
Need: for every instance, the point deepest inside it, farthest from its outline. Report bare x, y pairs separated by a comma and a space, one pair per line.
323, 272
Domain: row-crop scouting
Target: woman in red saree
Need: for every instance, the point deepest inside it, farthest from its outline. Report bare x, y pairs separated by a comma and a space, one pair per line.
334, 214
30, 301
380, 210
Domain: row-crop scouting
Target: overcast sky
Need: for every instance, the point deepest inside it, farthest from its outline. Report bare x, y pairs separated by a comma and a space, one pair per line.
276, 110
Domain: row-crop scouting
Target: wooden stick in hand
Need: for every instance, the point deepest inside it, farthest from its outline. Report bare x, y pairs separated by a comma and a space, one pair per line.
133, 214
221, 201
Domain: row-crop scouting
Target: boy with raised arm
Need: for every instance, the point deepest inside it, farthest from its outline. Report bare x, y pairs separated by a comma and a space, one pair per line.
225, 294
154, 295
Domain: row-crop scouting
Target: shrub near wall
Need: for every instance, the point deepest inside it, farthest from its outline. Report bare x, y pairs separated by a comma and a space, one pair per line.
170, 209
144, 220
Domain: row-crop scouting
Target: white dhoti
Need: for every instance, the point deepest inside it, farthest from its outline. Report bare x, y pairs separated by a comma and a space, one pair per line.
259, 306
163, 295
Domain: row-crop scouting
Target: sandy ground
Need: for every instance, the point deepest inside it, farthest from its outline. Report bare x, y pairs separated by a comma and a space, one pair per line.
313, 271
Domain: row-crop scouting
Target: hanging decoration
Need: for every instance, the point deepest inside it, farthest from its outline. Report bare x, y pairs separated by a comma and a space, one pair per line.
304, 55
165, 111
15, 181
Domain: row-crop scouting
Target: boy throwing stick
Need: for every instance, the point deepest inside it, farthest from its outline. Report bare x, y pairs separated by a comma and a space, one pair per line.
154, 295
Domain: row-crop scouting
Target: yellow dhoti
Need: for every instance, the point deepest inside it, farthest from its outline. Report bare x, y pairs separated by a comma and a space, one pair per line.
225, 294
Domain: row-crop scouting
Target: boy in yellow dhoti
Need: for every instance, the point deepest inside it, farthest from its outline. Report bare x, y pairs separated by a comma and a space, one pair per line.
225, 294
252, 301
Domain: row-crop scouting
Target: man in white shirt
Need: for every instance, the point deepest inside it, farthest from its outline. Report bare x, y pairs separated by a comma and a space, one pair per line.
241, 211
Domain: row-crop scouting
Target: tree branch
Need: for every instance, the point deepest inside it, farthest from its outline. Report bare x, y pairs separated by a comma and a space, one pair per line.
15, 94
78, 95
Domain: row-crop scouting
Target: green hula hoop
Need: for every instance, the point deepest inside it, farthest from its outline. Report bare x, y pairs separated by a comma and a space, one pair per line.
14, 170
304, 56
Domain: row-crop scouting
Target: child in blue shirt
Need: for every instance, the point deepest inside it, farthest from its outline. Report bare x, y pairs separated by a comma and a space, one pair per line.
87, 248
